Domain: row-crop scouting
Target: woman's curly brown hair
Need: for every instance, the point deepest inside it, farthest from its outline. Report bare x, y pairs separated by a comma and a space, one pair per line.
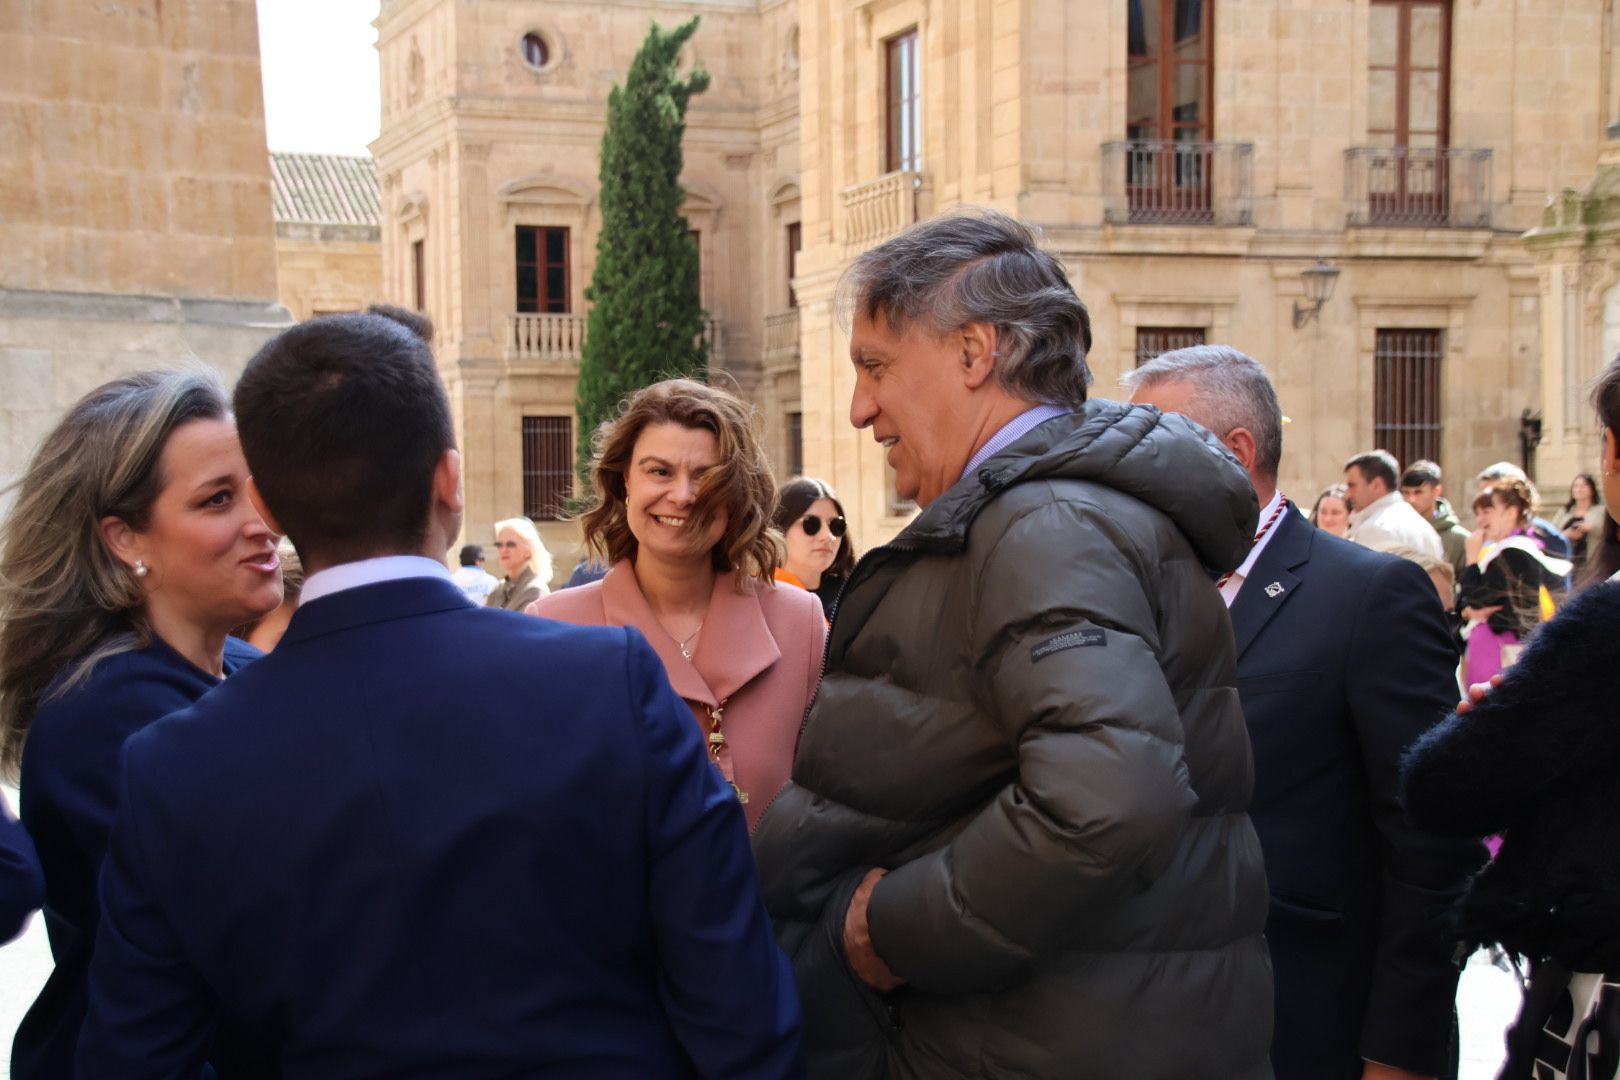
742, 483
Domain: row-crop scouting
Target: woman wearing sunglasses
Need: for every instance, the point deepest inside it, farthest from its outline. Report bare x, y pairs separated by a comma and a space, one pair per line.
525, 562
819, 553
683, 502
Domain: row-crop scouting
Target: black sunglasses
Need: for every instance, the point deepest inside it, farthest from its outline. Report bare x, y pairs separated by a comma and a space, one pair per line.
812, 525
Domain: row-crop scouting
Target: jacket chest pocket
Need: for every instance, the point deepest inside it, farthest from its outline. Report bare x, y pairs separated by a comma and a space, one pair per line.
1281, 682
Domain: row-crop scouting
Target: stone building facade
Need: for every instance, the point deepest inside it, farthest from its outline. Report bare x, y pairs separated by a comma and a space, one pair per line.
328, 241
492, 120
134, 200
1190, 160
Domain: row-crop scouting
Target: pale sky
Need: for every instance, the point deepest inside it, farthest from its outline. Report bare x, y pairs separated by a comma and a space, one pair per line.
320, 74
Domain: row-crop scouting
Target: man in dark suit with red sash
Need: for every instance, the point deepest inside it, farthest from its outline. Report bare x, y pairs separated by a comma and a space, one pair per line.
1344, 659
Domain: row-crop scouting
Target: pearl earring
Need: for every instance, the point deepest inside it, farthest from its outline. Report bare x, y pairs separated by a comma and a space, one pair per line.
140, 568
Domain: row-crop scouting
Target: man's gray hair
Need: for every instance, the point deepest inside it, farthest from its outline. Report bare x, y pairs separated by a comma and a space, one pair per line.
1230, 390
982, 266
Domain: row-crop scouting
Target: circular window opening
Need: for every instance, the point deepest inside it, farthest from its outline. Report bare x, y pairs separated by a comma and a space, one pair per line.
536, 52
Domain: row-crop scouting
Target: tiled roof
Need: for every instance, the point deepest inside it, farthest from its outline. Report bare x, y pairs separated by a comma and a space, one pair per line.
323, 189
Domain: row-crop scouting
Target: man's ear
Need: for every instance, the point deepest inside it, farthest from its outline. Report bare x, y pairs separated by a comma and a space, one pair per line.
124, 542
1241, 442
265, 515
447, 480
1609, 456
978, 341
445, 514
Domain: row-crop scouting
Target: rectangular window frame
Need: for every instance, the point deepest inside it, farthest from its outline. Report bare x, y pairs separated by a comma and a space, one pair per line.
543, 302
1408, 392
419, 274
1154, 341
795, 243
548, 466
902, 102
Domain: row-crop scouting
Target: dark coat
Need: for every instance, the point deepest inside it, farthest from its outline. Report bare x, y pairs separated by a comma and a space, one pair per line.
1538, 761
1344, 660
1029, 717
69, 793
22, 886
1513, 580
423, 839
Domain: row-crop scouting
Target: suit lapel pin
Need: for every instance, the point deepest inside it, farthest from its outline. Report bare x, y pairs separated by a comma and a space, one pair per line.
1274, 590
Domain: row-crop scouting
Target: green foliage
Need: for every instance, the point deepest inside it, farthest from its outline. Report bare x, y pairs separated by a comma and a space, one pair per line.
646, 323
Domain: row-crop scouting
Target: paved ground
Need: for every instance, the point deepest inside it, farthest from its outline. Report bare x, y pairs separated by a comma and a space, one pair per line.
1486, 1000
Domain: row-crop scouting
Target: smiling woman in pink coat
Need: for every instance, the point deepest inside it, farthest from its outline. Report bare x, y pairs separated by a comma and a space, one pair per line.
683, 504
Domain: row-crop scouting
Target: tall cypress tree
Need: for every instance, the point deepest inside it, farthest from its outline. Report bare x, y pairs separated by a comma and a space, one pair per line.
647, 322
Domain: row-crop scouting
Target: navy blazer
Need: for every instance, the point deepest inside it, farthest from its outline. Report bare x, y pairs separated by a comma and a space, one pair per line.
69, 791
1344, 660
22, 886
430, 839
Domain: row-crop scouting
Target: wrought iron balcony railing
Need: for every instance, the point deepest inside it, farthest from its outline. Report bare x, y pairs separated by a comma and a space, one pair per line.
1417, 188
1163, 182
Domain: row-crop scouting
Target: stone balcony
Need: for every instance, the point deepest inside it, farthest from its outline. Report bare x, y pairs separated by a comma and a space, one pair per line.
782, 340
871, 212
553, 338
1164, 182
557, 339
1409, 187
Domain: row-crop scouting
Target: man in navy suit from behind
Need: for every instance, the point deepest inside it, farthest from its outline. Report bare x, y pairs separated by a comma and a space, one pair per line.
423, 838
1344, 659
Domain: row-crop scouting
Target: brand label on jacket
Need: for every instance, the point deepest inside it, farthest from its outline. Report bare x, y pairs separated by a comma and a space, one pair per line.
1073, 639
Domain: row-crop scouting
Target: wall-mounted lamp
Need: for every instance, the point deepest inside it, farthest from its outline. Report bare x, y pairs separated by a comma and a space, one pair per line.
1319, 281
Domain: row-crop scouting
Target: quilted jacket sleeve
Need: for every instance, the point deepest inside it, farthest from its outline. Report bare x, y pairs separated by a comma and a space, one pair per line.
1064, 639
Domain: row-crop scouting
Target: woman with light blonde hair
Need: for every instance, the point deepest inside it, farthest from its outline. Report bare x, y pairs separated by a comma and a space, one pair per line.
131, 553
526, 563
683, 499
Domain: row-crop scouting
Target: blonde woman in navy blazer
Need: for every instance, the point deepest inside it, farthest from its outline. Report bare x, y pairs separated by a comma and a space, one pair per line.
131, 553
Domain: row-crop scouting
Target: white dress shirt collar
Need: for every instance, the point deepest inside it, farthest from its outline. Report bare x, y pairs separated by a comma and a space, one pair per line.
1012, 431
352, 575
1229, 589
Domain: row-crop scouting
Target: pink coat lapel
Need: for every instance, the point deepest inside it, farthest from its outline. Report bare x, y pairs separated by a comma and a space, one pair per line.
734, 647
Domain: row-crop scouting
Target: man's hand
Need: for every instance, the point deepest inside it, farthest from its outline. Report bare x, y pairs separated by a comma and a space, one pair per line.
1476, 694
1374, 1071
863, 958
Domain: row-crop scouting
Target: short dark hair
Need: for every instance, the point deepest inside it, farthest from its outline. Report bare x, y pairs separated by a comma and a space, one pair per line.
471, 554
1420, 472
343, 420
1377, 465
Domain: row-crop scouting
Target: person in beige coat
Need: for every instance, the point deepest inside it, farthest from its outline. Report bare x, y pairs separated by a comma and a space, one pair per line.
526, 563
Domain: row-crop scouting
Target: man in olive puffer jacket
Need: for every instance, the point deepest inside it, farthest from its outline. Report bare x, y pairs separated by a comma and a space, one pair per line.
1015, 841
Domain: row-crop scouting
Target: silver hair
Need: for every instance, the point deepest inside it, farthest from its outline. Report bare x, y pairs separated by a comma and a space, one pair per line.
1232, 391
982, 266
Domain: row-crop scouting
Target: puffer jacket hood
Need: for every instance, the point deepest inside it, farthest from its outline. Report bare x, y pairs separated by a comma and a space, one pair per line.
1134, 449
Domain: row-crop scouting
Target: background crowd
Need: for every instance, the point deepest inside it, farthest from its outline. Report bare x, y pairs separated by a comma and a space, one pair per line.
1115, 763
